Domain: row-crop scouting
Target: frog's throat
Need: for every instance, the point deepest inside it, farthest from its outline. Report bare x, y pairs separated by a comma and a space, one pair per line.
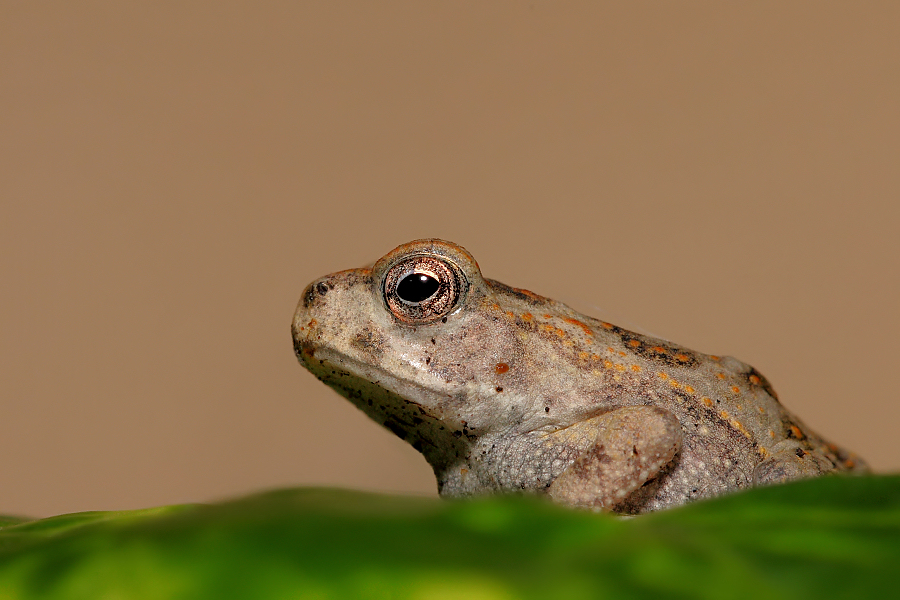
385, 399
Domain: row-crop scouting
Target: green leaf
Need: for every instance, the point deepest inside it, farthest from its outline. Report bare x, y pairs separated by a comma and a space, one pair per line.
832, 537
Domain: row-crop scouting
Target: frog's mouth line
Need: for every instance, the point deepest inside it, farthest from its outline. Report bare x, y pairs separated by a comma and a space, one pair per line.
333, 369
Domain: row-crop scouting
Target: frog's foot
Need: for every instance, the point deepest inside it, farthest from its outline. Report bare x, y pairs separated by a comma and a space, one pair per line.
845, 460
791, 461
632, 446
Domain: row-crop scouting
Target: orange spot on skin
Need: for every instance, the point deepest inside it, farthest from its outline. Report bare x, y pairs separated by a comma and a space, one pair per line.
714, 357
595, 357
527, 317
849, 463
501, 368
510, 314
636, 368
682, 357
771, 434
584, 327
797, 433
762, 452
761, 410
674, 383
312, 323
605, 325
740, 427
560, 332
607, 363
724, 414
735, 389
662, 375
308, 351
720, 375
463, 471
620, 367
754, 379
548, 316
707, 401
583, 355
659, 349
620, 353
611, 349
634, 343
689, 389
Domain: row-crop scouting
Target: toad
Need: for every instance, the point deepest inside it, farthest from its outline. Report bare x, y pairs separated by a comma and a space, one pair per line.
503, 390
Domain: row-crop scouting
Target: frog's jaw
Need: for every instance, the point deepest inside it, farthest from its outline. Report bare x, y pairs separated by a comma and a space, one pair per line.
383, 398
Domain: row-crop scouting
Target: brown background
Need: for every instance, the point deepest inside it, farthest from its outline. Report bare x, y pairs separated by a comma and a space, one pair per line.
724, 175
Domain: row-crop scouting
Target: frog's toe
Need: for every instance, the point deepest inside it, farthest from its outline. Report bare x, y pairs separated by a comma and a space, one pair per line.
795, 463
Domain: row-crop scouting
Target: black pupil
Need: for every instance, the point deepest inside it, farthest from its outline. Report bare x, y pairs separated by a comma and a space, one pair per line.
417, 287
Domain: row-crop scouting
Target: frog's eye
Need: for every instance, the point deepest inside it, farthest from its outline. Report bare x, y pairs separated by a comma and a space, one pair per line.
417, 287
423, 289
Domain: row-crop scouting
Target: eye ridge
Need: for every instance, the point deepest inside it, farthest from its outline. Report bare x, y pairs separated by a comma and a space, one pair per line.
417, 287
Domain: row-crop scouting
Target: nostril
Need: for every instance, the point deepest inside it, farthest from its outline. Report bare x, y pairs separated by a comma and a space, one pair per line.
315, 290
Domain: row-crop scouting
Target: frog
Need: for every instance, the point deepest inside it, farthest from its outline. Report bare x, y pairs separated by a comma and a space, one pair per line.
505, 391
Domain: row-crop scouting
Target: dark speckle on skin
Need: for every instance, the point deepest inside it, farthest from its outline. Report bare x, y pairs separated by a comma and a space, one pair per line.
309, 296
657, 350
370, 342
395, 427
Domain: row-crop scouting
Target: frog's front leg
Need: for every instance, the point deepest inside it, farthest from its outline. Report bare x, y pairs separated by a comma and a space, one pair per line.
628, 447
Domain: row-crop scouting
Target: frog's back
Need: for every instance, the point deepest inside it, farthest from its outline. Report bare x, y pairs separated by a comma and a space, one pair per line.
736, 431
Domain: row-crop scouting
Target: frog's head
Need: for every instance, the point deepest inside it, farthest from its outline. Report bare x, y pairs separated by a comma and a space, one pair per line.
418, 343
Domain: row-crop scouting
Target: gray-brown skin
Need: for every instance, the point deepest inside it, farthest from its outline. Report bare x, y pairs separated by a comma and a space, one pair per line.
503, 390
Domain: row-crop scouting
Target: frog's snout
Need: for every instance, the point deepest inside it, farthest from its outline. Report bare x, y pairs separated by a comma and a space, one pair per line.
305, 326
315, 291
351, 280
330, 310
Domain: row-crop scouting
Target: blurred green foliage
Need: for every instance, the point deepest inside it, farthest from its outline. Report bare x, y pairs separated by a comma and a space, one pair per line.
832, 537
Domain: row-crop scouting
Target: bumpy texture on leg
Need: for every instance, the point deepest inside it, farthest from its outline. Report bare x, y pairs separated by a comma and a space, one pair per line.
632, 446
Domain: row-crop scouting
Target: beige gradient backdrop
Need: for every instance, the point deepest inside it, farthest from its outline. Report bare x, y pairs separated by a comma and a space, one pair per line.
724, 175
